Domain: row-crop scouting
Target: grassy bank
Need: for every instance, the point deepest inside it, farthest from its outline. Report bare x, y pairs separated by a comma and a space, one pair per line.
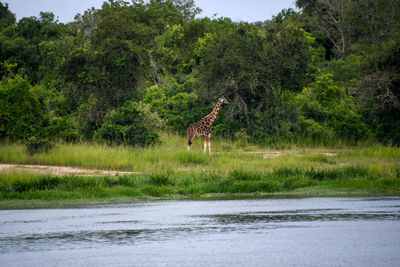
169, 171
24, 187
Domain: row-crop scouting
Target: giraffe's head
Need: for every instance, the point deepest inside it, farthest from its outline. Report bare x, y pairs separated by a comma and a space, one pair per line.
223, 100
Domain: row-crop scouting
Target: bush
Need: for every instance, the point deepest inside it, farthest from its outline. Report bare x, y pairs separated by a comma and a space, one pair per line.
36, 145
347, 124
311, 128
326, 112
276, 122
21, 114
173, 103
126, 126
345, 71
64, 128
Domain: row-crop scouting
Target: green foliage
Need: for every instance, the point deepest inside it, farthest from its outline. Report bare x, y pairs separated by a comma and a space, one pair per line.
290, 51
325, 91
326, 112
345, 71
277, 122
37, 145
313, 129
379, 94
252, 72
126, 126
171, 46
20, 44
174, 102
110, 74
328, 71
232, 65
21, 114
64, 128
346, 123
7, 18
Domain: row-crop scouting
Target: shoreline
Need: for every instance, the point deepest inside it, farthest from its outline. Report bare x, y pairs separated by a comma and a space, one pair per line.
17, 204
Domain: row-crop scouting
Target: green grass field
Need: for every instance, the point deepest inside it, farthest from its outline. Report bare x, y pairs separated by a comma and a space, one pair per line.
168, 171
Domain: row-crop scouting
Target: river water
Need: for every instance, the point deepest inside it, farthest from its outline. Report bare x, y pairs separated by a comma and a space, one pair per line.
263, 232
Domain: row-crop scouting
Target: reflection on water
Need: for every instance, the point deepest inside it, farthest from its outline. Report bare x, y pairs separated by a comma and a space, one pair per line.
270, 232
288, 217
80, 239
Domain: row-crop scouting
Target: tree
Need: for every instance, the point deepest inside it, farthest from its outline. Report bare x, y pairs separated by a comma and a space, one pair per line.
96, 81
289, 52
118, 20
232, 65
110, 73
187, 8
85, 25
7, 18
351, 25
21, 114
250, 70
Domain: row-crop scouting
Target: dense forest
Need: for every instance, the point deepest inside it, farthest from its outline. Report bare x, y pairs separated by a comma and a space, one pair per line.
325, 73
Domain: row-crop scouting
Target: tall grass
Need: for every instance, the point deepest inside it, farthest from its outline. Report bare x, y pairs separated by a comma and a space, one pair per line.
169, 170
172, 155
22, 185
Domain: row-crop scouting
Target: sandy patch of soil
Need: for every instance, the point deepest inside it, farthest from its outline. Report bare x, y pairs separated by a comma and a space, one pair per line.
60, 170
275, 154
271, 154
328, 154
267, 154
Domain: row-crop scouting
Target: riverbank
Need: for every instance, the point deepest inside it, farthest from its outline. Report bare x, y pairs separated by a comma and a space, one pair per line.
22, 189
79, 174
101, 202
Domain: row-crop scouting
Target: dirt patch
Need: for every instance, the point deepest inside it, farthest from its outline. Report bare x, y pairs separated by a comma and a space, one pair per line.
61, 170
275, 154
328, 154
267, 154
271, 154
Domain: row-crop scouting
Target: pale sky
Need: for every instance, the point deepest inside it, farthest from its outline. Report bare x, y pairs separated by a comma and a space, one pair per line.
237, 10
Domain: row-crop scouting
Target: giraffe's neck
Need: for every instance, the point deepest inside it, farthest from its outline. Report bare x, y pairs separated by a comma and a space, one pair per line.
213, 115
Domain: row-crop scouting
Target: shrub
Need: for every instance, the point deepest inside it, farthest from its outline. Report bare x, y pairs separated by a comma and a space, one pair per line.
311, 128
126, 126
36, 145
346, 123
21, 114
64, 128
173, 106
326, 111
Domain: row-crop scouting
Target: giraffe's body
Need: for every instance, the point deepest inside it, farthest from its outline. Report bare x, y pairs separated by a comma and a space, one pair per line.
203, 127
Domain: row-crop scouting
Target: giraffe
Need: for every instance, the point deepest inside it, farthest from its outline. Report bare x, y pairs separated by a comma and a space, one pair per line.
203, 127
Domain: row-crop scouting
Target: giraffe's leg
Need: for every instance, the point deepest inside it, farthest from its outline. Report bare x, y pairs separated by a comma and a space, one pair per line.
205, 144
209, 143
191, 137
